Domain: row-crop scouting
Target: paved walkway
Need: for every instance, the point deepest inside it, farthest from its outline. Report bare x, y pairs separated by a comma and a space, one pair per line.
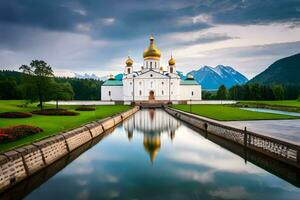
288, 130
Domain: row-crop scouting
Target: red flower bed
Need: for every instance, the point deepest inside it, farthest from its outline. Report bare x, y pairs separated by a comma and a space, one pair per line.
13, 133
55, 112
15, 115
85, 108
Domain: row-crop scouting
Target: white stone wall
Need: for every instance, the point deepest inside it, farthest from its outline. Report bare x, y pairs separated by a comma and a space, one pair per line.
175, 89
164, 87
128, 89
77, 137
143, 86
190, 92
115, 91
12, 169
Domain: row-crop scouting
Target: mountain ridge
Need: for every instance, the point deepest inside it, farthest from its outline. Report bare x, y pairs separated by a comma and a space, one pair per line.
283, 71
211, 78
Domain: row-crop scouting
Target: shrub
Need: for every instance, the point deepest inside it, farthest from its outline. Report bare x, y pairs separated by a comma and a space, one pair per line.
85, 108
24, 105
55, 112
15, 115
13, 133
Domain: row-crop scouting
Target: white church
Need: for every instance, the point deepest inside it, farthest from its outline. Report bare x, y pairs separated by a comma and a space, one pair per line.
151, 82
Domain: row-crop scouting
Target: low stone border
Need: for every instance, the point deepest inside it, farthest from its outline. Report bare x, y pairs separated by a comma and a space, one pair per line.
20, 163
275, 148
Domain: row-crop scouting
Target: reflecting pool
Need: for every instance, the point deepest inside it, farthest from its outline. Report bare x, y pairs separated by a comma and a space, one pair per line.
154, 156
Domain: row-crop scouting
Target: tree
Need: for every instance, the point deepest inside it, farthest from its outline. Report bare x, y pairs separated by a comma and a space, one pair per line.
222, 92
267, 93
235, 92
255, 91
206, 95
278, 92
84, 89
37, 80
9, 89
62, 91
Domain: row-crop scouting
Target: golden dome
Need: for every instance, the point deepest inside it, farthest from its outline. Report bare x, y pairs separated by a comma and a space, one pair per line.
152, 146
111, 77
129, 61
172, 61
152, 52
190, 77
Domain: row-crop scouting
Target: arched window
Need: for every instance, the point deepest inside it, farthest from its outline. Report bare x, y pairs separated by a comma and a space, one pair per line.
162, 92
162, 83
147, 64
109, 93
155, 64
150, 65
171, 69
140, 92
128, 70
192, 93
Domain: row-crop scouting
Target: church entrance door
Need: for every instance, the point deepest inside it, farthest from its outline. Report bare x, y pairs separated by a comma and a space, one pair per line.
151, 95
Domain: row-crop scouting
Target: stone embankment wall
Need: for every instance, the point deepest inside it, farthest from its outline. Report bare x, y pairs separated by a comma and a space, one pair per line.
286, 152
17, 164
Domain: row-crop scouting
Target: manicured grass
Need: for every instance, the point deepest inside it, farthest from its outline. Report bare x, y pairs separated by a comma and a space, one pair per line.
228, 113
51, 124
289, 103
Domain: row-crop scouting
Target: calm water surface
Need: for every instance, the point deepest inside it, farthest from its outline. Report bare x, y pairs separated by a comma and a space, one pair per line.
272, 111
154, 156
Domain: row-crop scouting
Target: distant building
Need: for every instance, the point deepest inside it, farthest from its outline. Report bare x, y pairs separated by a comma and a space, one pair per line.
151, 82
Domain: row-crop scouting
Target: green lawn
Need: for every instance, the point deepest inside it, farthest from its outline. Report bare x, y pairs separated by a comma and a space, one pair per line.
289, 103
51, 124
228, 113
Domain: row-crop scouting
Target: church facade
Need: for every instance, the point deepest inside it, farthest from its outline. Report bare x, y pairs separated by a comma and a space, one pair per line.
151, 82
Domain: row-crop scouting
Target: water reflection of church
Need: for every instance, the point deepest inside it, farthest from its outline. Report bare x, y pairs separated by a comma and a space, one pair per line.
152, 123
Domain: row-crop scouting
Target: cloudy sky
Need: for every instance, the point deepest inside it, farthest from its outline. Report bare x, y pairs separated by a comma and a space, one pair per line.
96, 36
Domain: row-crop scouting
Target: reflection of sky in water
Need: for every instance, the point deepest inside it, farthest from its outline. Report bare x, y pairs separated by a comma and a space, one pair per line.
162, 160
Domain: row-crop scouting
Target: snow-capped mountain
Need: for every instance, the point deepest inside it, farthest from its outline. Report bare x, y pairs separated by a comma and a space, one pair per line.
87, 76
212, 78
91, 76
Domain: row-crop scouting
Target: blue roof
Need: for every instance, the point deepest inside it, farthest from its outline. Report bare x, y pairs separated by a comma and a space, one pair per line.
188, 82
113, 83
119, 77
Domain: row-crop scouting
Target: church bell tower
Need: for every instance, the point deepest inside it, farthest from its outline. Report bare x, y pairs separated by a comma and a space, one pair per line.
129, 68
172, 67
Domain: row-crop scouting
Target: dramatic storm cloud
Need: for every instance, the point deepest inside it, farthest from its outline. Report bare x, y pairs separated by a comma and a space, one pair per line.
96, 35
